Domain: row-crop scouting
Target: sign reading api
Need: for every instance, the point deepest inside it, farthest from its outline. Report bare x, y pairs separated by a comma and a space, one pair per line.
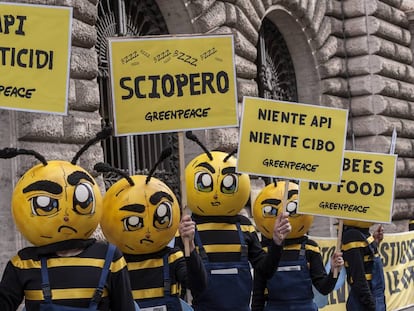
291, 140
167, 84
366, 190
35, 45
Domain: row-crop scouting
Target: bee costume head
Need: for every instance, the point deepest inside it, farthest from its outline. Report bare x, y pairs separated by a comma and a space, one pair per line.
141, 213
268, 205
56, 200
214, 188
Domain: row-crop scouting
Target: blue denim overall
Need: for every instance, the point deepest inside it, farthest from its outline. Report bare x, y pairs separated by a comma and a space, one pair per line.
229, 283
290, 288
93, 306
168, 302
377, 286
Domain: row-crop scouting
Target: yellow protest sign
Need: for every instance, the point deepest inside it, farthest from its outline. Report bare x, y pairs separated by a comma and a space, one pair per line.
165, 84
397, 253
291, 140
35, 45
366, 190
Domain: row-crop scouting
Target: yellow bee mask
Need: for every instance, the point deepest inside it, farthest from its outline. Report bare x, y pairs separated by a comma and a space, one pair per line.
213, 186
141, 214
268, 204
56, 200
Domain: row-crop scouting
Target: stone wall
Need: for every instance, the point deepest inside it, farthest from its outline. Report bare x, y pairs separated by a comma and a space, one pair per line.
376, 42
55, 137
7, 229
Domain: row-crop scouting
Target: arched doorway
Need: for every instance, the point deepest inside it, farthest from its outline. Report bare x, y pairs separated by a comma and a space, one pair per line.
276, 75
291, 57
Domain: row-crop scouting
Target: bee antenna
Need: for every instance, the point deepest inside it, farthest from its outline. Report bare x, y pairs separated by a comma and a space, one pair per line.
230, 155
8, 153
164, 154
191, 136
106, 168
105, 133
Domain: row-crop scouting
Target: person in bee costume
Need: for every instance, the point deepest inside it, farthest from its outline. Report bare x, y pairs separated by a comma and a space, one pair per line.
301, 265
57, 205
363, 265
227, 242
141, 216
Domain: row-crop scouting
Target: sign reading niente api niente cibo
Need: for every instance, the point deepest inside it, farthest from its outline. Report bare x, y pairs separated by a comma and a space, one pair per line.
366, 190
291, 140
35, 47
172, 83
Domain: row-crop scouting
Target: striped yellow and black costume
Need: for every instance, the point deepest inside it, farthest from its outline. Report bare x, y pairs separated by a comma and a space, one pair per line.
359, 263
147, 278
322, 281
73, 280
221, 242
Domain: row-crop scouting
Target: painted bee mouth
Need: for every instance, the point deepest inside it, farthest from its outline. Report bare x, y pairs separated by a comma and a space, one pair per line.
143, 241
67, 228
216, 203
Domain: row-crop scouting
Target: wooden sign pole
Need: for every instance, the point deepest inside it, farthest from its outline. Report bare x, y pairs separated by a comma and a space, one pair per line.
338, 243
183, 199
183, 186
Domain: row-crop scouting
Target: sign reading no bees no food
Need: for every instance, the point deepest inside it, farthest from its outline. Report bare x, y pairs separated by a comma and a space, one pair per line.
366, 190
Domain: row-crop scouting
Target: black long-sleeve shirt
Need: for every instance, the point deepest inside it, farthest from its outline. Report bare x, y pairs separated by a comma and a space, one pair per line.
359, 262
147, 279
322, 281
73, 279
222, 242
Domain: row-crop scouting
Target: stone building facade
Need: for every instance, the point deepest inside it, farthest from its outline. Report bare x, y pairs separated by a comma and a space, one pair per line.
348, 54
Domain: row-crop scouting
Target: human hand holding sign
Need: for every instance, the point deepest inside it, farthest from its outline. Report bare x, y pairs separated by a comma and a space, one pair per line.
187, 230
282, 228
378, 234
336, 261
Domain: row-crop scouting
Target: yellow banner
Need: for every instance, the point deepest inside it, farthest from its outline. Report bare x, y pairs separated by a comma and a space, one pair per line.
397, 253
366, 190
291, 140
35, 45
168, 84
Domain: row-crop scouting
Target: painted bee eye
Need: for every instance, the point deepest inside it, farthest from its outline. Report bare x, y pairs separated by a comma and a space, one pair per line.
44, 206
229, 184
269, 211
163, 216
84, 199
292, 207
203, 182
133, 223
